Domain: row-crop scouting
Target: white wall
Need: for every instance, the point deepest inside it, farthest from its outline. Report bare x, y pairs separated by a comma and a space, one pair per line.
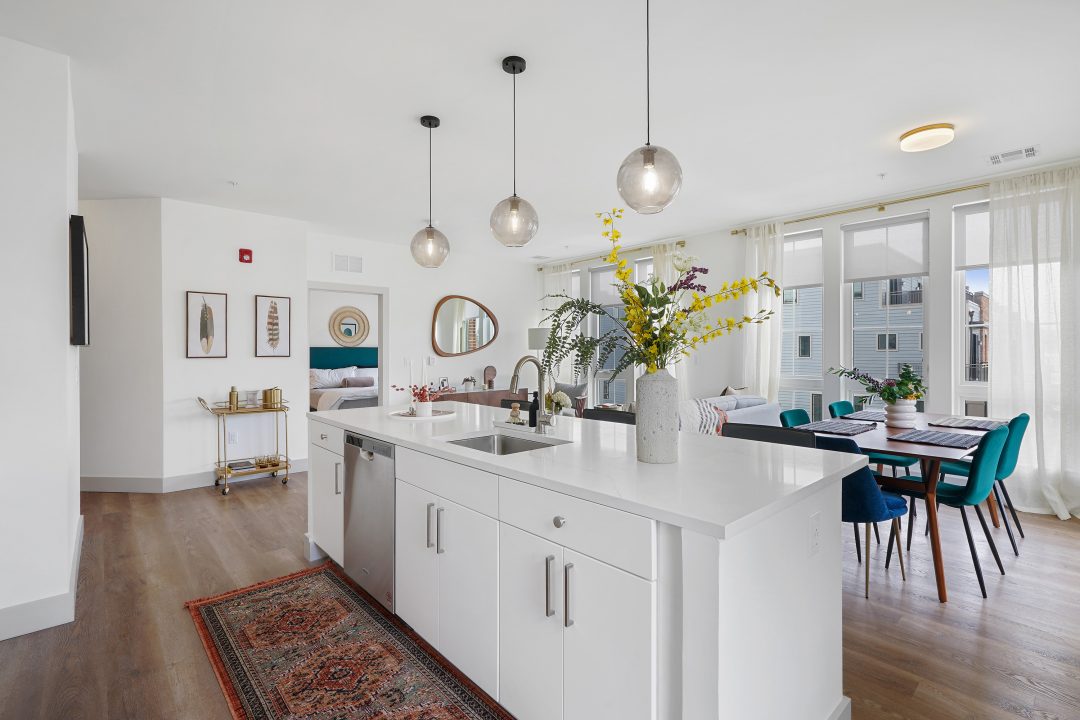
199, 252
39, 370
323, 303
123, 388
508, 290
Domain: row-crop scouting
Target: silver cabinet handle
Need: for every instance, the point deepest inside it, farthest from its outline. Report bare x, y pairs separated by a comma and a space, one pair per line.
438, 532
558, 521
549, 602
322, 436
430, 507
337, 478
567, 621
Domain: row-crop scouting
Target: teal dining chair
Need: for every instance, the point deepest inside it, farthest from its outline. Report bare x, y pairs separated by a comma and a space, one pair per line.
794, 418
1006, 465
982, 475
840, 408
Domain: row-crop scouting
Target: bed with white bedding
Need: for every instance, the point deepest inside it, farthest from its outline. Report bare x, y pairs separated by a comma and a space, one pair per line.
343, 377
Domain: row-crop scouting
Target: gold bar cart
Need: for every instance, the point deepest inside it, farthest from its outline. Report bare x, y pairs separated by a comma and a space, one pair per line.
225, 468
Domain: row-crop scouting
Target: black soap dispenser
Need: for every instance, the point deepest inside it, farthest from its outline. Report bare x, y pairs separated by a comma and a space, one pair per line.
534, 409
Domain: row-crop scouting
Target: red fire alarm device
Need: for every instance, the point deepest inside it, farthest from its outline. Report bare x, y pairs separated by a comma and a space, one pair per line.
245, 255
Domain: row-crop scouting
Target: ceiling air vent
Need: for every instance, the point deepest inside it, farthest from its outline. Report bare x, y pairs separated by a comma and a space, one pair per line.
348, 263
1024, 153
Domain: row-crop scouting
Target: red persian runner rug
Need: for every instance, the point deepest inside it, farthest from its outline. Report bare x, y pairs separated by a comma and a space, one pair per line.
311, 645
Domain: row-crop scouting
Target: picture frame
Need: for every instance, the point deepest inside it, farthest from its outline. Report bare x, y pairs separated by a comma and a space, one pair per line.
273, 326
207, 325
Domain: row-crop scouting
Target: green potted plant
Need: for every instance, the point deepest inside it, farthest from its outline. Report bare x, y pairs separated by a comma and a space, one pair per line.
899, 394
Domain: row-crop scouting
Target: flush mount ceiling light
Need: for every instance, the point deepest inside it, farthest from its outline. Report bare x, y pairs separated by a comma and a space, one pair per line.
514, 221
650, 177
429, 246
927, 137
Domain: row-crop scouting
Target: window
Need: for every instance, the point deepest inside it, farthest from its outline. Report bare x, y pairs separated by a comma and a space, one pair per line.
643, 269
887, 341
804, 346
607, 387
971, 237
808, 400
975, 408
801, 369
885, 261
920, 341
791, 296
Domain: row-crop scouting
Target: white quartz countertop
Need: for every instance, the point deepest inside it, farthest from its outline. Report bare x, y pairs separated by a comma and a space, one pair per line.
719, 487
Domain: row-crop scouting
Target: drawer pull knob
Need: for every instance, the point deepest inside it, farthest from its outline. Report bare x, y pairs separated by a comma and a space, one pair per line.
558, 521
322, 436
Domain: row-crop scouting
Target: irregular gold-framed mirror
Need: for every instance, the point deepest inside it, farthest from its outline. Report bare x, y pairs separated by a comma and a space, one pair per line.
349, 326
461, 325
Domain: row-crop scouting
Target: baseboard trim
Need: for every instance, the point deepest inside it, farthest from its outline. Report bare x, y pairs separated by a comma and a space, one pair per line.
842, 711
175, 483
48, 611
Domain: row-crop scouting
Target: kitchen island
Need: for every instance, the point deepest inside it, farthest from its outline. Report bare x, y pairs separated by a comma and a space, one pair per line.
571, 581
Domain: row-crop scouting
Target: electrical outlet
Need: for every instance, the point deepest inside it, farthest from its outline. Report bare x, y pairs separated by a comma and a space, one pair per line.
232, 437
815, 533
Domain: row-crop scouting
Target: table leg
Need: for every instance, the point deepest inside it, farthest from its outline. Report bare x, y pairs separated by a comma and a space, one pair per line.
992, 507
931, 469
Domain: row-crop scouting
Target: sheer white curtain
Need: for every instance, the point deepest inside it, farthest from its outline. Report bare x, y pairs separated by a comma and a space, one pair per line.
761, 343
663, 268
1034, 326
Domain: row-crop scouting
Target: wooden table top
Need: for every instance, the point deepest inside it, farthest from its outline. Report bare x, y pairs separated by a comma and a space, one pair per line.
880, 439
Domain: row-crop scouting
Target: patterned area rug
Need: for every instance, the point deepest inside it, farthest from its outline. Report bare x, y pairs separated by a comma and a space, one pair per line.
311, 645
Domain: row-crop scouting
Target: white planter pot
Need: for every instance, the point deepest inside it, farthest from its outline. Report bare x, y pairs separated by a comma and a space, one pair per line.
468, 387
900, 414
422, 409
657, 411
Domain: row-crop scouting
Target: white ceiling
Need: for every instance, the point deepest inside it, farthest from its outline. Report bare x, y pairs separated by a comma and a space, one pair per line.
773, 108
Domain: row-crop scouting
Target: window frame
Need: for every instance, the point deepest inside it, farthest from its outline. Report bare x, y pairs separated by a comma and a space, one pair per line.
894, 343
809, 346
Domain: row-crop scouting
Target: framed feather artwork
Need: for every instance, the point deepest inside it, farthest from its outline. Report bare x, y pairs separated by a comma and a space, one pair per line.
273, 326
207, 324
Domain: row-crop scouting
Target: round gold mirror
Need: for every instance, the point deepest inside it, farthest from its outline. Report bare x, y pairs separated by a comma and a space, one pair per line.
349, 326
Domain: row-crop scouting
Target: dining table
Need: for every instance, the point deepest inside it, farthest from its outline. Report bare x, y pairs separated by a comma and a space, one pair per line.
880, 439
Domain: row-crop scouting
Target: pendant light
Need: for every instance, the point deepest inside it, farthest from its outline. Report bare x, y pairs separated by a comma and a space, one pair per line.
650, 177
429, 246
514, 221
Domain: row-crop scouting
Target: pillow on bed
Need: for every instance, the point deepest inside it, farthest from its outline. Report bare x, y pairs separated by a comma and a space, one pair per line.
360, 382
372, 373
329, 378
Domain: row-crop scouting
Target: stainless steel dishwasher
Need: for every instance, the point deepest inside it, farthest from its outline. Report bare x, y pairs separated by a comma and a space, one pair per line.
369, 516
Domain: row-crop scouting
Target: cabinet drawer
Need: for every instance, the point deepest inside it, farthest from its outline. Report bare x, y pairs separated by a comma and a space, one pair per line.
326, 436
618, 538
475, 489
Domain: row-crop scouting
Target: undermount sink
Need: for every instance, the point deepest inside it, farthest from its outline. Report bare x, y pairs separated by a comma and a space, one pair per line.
498, 444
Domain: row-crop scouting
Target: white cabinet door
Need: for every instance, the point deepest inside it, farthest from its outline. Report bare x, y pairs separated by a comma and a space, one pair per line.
530, 626
609, 642
414, 567
326, 477
467, 547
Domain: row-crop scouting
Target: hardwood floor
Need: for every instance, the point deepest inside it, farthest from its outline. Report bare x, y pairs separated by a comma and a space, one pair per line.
133, 653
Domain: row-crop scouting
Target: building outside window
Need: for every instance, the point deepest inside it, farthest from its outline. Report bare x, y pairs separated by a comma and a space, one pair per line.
971, 236
801, 369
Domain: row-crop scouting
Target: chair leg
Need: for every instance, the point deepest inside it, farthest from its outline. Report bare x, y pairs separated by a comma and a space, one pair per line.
877, 536
899, 550
1005, 520
867, 593
858, 550
974, 555
910, 524
1012, 509
892, 537
989, 539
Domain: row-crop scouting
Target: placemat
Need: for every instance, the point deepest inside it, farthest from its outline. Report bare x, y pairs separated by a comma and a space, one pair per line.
837, 427
936, 437
967, 423
873, 415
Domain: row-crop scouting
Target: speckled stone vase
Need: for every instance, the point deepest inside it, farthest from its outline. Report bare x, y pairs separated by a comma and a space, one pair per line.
657, 410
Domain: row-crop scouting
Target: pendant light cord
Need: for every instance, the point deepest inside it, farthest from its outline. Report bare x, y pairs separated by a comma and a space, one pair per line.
429, 222
648, 74
514, 76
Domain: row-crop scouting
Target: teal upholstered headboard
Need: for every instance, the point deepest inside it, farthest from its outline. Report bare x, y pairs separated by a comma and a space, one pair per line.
325, 358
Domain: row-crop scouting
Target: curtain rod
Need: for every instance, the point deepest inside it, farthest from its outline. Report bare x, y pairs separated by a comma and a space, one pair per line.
880, 206
634, 248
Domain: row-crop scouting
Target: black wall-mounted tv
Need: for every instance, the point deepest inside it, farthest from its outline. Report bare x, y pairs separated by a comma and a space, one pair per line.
80, 281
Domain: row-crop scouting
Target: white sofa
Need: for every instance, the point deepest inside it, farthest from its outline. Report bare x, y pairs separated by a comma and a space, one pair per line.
699, 414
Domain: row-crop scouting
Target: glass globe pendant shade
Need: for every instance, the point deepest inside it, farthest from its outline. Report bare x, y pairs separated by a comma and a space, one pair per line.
649, 179
514, 222
429, 247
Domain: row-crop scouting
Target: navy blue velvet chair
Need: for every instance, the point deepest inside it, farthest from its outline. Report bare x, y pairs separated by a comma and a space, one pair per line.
862, 501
